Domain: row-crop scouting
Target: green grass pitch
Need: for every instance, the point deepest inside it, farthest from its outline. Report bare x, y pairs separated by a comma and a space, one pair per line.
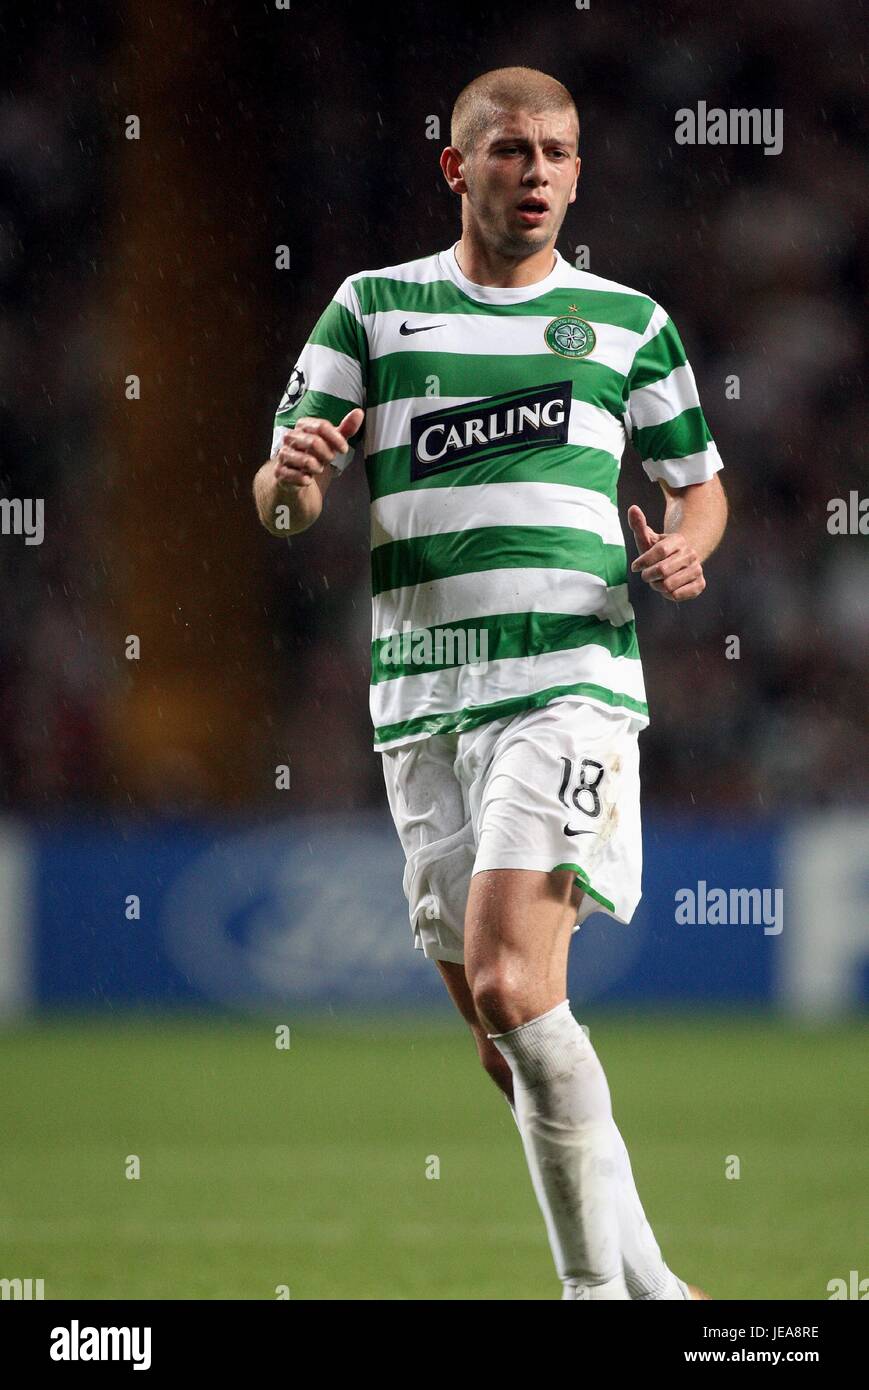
307, 1167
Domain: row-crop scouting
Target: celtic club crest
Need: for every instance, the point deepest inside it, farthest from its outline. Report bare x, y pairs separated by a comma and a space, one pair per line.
570, 336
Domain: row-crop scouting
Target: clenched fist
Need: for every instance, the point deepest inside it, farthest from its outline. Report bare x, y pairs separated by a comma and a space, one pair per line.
309, 446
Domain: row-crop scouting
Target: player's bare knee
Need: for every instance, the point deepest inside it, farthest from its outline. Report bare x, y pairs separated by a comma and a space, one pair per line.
499, 995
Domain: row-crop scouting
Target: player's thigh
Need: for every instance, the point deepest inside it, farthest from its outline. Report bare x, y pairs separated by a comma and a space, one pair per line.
558, 788
518, 926
428, 808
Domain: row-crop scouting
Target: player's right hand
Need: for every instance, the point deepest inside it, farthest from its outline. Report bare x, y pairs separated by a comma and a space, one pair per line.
310, 445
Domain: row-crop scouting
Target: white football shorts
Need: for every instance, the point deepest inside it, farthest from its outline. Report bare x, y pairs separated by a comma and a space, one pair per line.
550, 788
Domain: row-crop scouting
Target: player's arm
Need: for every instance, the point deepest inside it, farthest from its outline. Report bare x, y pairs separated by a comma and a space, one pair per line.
318, 423
698, 513
290, 488
694, 520
670, 433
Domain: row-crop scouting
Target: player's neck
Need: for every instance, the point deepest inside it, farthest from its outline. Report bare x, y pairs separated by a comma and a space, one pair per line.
483, 266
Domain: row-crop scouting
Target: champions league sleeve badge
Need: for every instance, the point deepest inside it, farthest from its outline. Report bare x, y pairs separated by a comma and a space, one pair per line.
294, 392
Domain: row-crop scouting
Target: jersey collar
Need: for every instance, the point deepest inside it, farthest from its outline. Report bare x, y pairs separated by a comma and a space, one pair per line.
495, 294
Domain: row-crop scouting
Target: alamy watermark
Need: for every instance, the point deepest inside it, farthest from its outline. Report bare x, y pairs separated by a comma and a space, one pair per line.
436, 646
23, 516
25, 1289
854, 1287
740, 907
848, 516
734, 126
77, 1343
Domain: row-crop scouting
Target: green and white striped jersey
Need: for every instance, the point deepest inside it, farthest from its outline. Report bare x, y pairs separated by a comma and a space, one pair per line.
494, 428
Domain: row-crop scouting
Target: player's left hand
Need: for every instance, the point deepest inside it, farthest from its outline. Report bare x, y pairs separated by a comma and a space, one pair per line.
666, 560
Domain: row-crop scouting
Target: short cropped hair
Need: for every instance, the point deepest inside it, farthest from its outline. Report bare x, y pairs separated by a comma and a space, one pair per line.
505, 89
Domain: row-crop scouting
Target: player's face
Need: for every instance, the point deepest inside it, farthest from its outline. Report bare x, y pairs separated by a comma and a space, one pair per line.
520, 179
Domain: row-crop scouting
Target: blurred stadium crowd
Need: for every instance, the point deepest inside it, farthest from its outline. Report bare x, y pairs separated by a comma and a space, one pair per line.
53, 185
761, 260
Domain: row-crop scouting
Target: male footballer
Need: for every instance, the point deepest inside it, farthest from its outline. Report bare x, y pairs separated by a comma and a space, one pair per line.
492, 388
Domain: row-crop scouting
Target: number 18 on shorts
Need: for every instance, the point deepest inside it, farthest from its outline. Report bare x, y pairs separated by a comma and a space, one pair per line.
550, 788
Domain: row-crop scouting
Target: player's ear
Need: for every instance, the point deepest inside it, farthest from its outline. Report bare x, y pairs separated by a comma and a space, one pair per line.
452, 165
572, 198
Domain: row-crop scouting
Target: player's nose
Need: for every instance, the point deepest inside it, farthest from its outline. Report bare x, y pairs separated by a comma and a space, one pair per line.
536, 174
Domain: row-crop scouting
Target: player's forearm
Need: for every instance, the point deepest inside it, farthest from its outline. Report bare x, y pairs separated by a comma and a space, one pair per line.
699, 513
284, 511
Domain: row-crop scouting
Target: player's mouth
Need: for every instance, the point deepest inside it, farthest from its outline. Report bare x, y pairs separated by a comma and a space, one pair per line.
532, 210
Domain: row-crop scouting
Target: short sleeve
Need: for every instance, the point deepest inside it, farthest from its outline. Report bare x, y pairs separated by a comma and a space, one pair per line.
329, 378
663, 416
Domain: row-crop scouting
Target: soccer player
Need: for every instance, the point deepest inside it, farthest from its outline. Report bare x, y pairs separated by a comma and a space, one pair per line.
498, 386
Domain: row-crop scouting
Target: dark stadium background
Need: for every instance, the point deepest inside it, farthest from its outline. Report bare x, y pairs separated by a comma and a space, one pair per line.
156, 256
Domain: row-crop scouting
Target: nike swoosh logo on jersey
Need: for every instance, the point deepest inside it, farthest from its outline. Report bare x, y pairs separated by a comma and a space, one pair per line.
426, 328
568, 831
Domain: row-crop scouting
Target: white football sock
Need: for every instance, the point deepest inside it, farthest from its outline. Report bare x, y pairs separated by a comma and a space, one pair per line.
565, 1118
647, 1276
